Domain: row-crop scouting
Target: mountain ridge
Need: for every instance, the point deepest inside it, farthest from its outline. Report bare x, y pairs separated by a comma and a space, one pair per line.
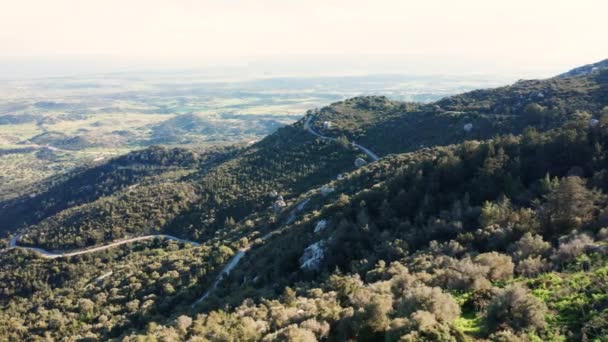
586, 69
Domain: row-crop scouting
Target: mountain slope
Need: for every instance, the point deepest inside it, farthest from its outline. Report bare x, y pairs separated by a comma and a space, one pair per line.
495, 231
586, 69
393, 127
88, 184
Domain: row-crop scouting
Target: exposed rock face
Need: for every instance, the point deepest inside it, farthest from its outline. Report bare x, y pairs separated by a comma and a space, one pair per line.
326, 190
359, 162
321, 225
594, 123
313, 255
279, 204
468, 127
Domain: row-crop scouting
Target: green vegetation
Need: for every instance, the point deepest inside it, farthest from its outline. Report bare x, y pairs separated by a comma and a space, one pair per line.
496, 233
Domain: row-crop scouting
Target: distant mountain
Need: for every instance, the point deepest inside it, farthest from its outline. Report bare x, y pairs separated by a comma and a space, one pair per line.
586, 69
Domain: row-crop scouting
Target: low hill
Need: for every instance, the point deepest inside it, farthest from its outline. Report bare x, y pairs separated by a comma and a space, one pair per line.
189, 128
14, 119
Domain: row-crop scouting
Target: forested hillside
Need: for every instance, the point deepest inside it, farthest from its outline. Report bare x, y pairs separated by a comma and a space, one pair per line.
396, 127
485, 219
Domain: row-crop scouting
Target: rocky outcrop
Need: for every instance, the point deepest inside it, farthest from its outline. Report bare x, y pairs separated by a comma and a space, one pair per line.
360, 162
321, 225
313, 255
326, 190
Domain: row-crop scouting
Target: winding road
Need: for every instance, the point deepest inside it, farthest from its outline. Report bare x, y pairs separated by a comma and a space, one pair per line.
232, 263
290, 219
367, 151
52, 255
241, 253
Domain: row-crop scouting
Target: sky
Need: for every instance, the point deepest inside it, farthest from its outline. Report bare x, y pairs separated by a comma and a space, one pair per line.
531, 37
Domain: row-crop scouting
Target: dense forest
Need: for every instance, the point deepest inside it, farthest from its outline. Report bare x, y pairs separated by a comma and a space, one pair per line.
485, 219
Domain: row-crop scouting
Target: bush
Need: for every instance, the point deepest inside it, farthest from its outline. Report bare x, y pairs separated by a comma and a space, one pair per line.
463, 275
530, 245
571, 247
602, 234
515, 308
532, 266
501, 266
431, 299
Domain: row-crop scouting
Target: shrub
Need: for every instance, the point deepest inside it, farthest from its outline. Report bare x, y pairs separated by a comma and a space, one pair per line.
501, 266
463, 275
431, 299
515, 308
571, 247
532, 266
530, 245
602, 234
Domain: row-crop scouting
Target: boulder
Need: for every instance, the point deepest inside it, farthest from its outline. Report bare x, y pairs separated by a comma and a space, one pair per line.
279, 204
359, 162
468, 127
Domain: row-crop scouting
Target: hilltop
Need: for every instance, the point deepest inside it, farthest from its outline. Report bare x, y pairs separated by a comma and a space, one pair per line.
586, 69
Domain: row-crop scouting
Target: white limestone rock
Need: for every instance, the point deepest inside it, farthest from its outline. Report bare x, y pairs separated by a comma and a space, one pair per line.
594, 123
360, 162
279, 204
321, 225
326, 190
312, 256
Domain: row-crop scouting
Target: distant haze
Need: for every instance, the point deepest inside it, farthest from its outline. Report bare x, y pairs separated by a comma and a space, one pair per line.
532, 38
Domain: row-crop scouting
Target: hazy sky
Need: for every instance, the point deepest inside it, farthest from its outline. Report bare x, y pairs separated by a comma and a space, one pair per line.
312, 35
